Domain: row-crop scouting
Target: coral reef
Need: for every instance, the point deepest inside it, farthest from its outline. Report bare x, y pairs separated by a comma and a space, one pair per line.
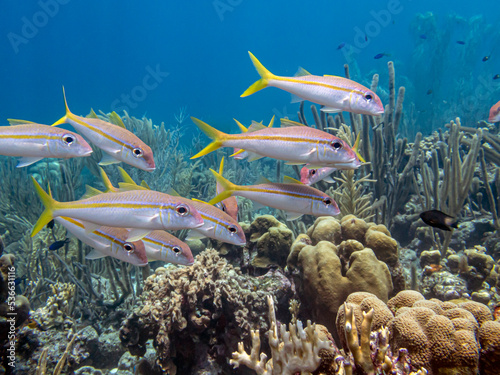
269, 242
200, 311
337, 258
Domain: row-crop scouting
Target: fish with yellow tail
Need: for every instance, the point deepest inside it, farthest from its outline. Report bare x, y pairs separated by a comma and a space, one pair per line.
118, 144
334, 93
107, 241
217, 224
143, 210
294, 144
293, 197
230, 204
33, 142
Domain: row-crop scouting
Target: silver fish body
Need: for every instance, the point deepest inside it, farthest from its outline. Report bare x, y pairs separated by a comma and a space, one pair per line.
33, 142
107, 241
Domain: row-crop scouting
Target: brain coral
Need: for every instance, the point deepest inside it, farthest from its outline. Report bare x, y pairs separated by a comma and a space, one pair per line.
438, 336
324, 280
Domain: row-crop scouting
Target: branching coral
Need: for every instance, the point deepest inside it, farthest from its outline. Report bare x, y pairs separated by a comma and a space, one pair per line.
59, 307
296, 350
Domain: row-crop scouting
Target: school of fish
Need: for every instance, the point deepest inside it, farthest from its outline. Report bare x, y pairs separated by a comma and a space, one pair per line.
130, 222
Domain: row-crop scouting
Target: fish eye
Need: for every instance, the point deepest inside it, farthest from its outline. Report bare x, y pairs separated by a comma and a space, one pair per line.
368, 97
312, 172
176, 249
182, 210
232, 229
336, 144
137, 152
68, 139
129, 247
327, 201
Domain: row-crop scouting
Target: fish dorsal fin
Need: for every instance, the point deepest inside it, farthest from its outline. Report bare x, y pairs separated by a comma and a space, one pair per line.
285, 123
172, 191
92, 114
242, 127
198, 200
330, 75
355, 148
13, 121
290, 180
221, 166
124, 186
263, 180
271, 123
107, 182
115, 119
126, 177
256, 126
90, 192
301, 72
145, 185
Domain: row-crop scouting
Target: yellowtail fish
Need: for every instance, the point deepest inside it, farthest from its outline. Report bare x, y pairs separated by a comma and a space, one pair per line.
295, 144
336, 94
163, 246
230, 204
119, 144
107, 241
142, 210
33, 142
216, 223
240, 154
311, 176
293, 197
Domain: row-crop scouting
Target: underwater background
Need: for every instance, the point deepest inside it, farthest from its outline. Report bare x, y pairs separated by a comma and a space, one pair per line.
422, 290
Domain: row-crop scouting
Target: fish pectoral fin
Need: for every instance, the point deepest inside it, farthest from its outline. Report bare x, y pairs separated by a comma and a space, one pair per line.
194, 235
329, 179
330, 110
310, 152
294, 163
27, 160
108, 159
290, 216
95, 254
90, 227
137, 234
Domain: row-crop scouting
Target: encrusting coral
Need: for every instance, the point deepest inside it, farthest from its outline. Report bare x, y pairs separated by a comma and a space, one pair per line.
59, 307
270, 239
200, 312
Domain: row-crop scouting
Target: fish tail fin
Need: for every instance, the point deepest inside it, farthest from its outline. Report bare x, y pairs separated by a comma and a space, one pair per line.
65, 118
106, 181
216, 135
265, 76
227, 186
49, 203
355, 148
221, 166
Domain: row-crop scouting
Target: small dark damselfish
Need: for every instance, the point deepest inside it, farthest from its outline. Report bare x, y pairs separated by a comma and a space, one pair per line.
438, 219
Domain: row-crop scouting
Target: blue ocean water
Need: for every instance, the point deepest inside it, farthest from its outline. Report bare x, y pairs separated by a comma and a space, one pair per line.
154, 58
